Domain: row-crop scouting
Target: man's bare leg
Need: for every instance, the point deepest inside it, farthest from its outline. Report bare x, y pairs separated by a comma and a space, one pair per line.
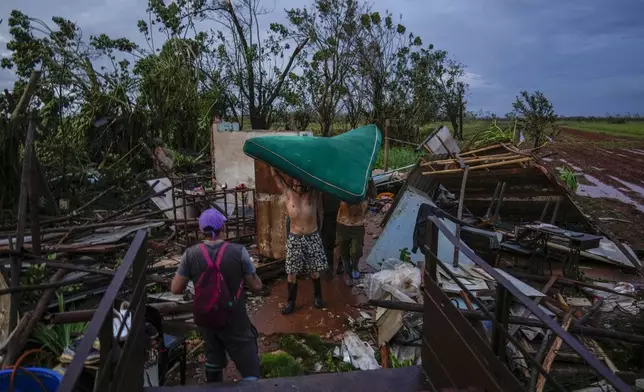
292, 294
317, 290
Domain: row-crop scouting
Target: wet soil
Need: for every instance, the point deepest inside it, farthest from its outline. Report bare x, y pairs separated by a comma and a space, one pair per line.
611, 184
341, 301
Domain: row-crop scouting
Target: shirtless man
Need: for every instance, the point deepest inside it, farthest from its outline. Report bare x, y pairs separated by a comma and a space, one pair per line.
351, 231
304, 248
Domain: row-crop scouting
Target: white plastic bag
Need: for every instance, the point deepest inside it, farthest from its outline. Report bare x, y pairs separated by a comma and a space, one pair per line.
404, 277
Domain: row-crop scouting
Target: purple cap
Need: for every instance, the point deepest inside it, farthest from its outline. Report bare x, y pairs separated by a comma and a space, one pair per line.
211, 219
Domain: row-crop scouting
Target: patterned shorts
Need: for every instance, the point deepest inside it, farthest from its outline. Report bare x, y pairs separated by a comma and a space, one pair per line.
304, 254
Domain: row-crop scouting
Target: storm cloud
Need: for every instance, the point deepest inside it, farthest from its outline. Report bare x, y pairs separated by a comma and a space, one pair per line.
586, 56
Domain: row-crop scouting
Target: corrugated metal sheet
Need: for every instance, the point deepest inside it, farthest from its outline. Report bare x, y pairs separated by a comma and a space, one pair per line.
398, 234
165, 201
114, 235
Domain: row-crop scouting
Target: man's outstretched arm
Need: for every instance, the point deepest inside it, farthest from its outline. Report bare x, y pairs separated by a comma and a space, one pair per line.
278, 179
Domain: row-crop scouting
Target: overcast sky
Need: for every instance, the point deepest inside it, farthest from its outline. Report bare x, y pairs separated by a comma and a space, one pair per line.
587, 56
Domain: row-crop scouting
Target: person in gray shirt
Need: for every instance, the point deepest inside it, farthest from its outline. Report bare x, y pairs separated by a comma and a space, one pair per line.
239, 338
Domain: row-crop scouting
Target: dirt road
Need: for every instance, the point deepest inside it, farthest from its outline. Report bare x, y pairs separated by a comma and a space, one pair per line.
610, 177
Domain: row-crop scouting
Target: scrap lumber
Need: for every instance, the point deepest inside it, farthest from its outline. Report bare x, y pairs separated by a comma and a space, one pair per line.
552, 353
21, 325
484, 166
495, 157
72, 248
459, 215
564, 282
136, 204
544, 289
492, 147
529, 322
22, 216
16, 346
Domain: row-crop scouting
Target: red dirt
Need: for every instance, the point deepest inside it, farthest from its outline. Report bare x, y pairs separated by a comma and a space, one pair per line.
341, 300
612, 157
594, 136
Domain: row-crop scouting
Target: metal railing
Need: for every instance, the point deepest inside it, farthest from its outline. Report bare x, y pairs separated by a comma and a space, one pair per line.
121, 364
232, 202
455, 354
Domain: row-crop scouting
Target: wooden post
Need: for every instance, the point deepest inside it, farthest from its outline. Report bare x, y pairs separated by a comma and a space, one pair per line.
33, 203
16, 264
459, 215
213, 130
16, 346
386, 154
552, 353
461, 108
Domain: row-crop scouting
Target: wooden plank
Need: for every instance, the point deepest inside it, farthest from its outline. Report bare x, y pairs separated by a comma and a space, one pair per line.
552, 353
485, 166
459, 214
492, 147
22, 221
496, 157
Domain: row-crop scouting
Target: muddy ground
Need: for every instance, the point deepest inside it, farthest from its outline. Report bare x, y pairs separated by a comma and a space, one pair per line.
329, 323
610, 181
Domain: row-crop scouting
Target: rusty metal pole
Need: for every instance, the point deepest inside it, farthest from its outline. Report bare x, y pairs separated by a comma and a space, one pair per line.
459, 214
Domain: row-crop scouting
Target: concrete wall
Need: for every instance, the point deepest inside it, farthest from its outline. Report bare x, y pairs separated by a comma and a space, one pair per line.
232, 166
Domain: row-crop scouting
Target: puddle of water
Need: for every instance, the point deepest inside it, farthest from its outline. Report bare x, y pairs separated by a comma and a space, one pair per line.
547, 159
576, 168
633, 187
638, 152
599, 190
621, 155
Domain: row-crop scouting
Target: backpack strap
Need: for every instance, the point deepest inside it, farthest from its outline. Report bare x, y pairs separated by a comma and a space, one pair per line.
220, 254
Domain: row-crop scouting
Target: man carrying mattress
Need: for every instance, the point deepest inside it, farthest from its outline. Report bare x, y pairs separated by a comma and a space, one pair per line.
304, 249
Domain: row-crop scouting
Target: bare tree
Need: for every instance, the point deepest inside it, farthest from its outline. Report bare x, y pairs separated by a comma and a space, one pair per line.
256, 65
333, 27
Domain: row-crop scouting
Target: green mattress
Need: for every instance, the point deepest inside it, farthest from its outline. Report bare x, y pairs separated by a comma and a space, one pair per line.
339, 165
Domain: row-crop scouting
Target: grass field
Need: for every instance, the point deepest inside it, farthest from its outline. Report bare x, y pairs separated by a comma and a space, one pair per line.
398, 157
633, 129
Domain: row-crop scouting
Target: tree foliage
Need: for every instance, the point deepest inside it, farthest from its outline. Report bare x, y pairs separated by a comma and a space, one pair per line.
333, 29
536, 115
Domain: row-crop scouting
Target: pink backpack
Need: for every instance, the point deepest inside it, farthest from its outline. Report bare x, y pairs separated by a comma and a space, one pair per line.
214, 302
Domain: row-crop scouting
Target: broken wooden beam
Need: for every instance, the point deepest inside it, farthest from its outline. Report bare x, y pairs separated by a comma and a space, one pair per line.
529, 322
563, 281
16, 346
479, 167
137, 203
23, 200
552, 353
496, 157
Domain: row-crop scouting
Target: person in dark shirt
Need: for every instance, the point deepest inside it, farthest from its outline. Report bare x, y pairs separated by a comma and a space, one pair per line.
239, 338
